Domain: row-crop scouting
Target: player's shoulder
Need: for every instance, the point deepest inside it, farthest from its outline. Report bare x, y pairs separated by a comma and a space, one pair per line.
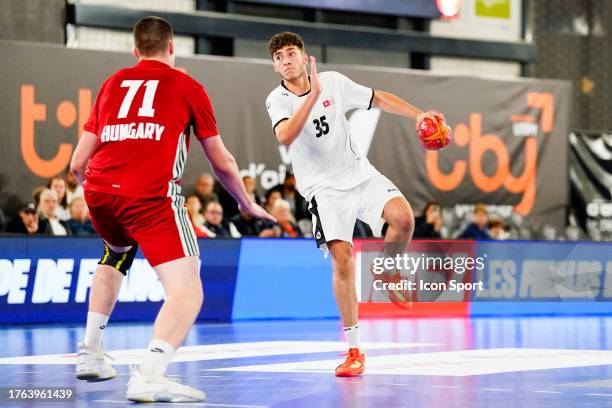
331, 76
277, 92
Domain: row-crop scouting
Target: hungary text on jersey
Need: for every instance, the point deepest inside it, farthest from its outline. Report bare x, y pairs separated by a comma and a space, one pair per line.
142, 117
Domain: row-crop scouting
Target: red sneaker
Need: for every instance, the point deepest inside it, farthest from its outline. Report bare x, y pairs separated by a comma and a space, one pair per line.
354, 364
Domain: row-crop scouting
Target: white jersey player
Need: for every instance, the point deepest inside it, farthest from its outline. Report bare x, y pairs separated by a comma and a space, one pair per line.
308, 115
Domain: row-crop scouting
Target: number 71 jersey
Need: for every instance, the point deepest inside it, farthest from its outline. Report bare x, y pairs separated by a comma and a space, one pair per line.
142, 117
323, 155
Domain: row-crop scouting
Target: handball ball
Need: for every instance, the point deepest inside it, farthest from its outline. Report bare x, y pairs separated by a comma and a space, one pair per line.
433, 132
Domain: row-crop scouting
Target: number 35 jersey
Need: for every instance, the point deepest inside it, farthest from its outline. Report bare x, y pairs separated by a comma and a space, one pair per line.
323, 155
142, 116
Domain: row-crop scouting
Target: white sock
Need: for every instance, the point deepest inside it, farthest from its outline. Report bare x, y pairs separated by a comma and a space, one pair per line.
352, 336
96, 323
156, 358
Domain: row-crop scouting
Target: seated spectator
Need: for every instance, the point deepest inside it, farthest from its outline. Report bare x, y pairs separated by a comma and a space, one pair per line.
58, 185
428, 225
363, 230
27, 222
204, 186
2, 221
36, 194
497, 229
213, 220
79, 221
73, 188
251, 188
194, 210
286, 222
48, 215
272, 195
478, 228
248, 226
297, 203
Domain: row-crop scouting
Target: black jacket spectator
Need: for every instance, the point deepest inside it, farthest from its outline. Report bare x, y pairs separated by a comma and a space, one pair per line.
219, 230
425, 230
81, 228
27, 222
254, 227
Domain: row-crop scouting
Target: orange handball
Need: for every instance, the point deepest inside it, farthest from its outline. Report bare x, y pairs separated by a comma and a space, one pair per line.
433, 132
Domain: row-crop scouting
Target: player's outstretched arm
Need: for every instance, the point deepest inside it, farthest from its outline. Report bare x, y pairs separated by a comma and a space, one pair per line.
390, 103
82, 153
225, 168
288, 130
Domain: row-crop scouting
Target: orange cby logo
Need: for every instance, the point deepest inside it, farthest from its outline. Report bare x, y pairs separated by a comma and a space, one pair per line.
470, 136
66, 114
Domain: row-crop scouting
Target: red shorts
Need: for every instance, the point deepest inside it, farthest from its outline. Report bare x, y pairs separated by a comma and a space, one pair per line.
159, 225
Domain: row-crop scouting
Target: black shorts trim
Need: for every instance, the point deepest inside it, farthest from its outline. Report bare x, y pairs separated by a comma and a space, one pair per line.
319, 235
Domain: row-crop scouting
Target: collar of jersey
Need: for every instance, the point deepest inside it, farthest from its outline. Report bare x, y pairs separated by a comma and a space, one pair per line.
299, 96
153, 62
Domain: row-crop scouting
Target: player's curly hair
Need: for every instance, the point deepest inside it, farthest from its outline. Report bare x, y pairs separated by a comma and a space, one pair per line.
283, 39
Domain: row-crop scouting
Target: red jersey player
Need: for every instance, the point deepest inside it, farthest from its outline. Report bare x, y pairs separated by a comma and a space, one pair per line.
130, 159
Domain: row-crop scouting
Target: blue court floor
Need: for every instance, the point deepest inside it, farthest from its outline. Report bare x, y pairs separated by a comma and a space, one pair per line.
478, 362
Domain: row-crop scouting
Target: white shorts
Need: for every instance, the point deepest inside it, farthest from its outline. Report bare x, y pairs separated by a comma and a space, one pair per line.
334, 212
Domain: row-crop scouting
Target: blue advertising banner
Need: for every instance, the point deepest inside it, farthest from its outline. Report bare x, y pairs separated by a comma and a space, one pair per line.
47, 280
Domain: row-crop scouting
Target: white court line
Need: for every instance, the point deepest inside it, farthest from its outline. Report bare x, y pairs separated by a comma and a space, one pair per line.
198, 404
600, 395
301, 379
548, 392
495, 389
255, 378
445, 386
28, 372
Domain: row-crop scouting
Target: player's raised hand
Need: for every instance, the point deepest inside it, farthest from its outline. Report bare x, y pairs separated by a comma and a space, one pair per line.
315, 84
256, 211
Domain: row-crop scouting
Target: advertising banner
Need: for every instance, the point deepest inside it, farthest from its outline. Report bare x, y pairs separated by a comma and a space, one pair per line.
509, 150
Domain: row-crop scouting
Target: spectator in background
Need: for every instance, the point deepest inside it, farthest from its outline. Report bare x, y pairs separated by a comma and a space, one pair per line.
497, 229
213, 216
299, 206
27, 222
363, 230
36, 194
58, 185
48, 214
204, 186
194, 209
428, 225
2, 221
79, 221
271, 196
282, 212
251, 188
73, 188
478, 228
248, 226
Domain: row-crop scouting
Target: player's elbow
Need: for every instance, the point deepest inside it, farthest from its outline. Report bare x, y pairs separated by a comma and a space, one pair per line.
283, 138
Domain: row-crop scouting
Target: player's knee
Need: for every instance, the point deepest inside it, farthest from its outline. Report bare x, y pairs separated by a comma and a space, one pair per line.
121, 261
344, 266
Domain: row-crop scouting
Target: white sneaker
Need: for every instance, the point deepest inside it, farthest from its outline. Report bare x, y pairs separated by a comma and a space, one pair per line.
143, 388
91, 365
